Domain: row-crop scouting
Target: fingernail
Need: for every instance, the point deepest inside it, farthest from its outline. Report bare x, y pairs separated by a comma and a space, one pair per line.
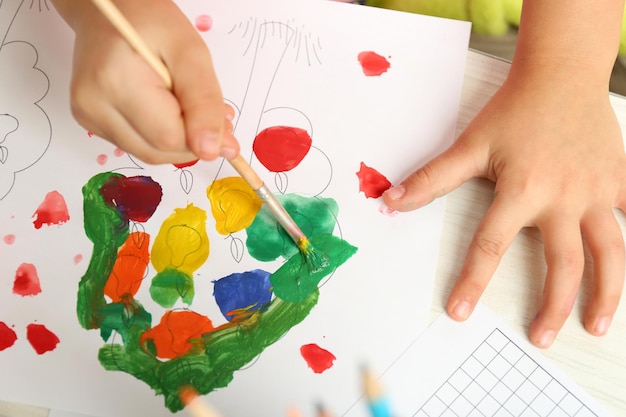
228, 153
395, 192
602, 325
545, 338
461, 310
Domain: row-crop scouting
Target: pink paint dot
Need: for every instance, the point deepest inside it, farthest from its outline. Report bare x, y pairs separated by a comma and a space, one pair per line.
102, 159
90, 134
204, 22
118, 152
77, 259
9, 239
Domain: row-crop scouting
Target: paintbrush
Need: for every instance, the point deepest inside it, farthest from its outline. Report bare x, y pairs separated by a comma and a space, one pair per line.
377, 401
128, 32
194, 404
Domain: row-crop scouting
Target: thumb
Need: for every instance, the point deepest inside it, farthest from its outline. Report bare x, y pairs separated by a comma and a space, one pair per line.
438, 177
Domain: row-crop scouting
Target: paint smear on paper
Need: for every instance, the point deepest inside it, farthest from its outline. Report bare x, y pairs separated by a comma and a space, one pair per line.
177, 333
102, 159
317, 358
234, 204
129, 269
26, 280
373, 64
78, 258
281, 148
7, 336
179, 249
41, 339
52, 210
9, 239
239, 294
136, 198
204, 23
371, 182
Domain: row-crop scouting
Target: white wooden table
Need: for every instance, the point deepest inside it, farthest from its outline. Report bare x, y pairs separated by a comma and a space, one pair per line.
597, 364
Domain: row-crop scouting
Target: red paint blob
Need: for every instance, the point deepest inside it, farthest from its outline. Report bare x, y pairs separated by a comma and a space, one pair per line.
136, 198
372, 182
204, 23
7, 336
78, 258
26, 280
373, 64
118, 152
102, 159
90, 134
186, 164
9, 239
52, 210
281, 148
317, 358
41, 339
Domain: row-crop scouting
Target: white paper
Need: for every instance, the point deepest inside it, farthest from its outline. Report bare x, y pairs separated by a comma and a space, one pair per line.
479, 368
372, 307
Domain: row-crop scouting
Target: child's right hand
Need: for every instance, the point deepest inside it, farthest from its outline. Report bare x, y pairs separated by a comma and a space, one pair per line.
116, 94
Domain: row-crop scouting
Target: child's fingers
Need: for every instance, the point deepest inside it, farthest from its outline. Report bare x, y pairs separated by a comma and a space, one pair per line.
565, 259
117, 129
438, 177
200, 99
606, 245
494, 235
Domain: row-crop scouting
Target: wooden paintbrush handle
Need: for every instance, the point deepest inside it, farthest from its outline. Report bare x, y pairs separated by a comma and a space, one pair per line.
245, 170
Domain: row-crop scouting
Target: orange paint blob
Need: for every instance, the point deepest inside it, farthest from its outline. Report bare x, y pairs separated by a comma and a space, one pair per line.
129, 268
174, 336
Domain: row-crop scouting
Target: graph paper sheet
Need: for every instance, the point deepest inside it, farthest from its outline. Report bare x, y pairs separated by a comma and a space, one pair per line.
479, 368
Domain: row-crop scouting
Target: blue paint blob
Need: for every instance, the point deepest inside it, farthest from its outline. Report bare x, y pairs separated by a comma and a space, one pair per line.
247, 291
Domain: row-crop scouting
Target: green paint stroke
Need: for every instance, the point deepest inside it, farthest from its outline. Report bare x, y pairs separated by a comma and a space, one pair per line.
220, 353
171, 284
297, 278
266, 238
108, 230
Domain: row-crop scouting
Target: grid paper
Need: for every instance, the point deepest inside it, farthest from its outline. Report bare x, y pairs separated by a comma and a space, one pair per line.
499, 379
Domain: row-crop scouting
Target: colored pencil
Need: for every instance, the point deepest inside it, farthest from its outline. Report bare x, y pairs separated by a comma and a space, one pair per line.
128, 32
194, 404
377, 401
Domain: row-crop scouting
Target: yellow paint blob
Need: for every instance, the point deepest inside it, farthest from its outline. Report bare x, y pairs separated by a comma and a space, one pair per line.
234, 204
182, 242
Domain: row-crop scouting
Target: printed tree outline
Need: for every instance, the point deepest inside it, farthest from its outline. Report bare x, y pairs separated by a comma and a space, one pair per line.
270, 42
26, 145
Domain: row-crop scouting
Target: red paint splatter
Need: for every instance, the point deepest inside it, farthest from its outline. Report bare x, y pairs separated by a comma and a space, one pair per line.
373, 64
136, 198
102, 159
89, 133
186, 164
372, 182
41, 339
7, 336
52, 210
281, 148
317, 358
9, 239
26, 280
78, 258
387, 211
204, 23
118, 152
